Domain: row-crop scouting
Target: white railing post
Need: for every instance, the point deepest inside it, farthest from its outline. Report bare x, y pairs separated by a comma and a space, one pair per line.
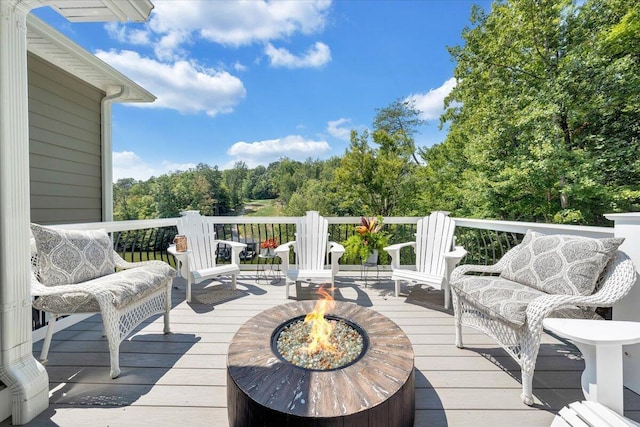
627, 225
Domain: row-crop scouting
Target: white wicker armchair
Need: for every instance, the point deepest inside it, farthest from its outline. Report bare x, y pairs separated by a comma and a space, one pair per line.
124, 298
519, 334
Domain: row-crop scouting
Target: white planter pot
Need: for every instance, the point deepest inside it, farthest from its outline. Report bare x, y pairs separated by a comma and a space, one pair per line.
373, 258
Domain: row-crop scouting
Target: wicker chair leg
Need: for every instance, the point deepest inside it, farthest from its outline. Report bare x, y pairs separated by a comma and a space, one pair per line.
47, 339
114, 355
111, 322
167, 307
447, 296
457, 313
189, 288
398, 286
527, 384
111, 319
233, 281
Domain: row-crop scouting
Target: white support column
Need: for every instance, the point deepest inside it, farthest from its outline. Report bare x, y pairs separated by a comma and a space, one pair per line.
113, 95
19, 371
627, 225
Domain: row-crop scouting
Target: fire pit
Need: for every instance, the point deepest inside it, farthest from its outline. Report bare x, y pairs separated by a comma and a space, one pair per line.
375, 387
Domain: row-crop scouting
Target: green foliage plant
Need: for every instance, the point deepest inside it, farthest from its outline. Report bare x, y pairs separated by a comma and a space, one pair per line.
368, 236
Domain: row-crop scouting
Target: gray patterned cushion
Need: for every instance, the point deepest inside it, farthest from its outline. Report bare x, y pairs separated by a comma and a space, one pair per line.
72, 256
561, 264
503, 299
507, 301
123, 288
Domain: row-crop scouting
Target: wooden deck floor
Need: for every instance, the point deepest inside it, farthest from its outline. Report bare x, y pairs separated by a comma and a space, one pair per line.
179, 379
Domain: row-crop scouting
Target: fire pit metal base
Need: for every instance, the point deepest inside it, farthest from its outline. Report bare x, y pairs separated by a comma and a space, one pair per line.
376, 390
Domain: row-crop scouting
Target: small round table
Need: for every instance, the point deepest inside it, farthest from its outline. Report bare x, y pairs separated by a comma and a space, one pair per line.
600, 342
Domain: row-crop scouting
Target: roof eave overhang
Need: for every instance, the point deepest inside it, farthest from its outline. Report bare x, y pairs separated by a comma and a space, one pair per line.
99, 10
52, 46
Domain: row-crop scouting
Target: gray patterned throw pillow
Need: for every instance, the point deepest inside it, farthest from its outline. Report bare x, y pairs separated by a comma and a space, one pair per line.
72, 256
561, 264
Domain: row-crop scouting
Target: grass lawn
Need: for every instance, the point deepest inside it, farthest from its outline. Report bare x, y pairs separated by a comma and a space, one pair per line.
269, 207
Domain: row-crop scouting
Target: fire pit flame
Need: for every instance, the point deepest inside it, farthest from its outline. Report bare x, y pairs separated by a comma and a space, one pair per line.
321, 328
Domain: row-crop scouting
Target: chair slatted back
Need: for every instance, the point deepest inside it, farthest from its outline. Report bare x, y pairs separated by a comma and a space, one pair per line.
311, 241
201, 242
434, 237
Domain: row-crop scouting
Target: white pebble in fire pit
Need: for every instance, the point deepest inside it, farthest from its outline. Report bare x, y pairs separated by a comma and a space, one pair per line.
293, 344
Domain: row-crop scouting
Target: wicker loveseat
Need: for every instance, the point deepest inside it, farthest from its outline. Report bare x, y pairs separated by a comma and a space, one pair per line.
78, 272
544, 276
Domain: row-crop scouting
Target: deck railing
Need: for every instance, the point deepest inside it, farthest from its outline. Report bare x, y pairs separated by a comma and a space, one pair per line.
485, 240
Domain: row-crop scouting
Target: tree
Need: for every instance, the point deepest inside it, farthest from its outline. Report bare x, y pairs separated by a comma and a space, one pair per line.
401, 120
257, 184
234, 179
538, 111
374, 181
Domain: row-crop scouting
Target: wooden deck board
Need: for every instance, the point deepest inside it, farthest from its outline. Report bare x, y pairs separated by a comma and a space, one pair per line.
180, 378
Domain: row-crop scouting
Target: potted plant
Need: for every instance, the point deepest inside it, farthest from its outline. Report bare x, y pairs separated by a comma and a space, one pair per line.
365, 246
267, 247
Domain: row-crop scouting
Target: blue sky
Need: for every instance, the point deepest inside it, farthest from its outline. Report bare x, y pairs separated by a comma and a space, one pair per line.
255, 81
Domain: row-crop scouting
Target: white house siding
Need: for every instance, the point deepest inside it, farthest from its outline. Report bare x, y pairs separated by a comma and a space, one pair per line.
64, 146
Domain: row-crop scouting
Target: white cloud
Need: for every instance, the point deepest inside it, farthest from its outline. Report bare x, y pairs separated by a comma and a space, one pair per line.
236, 23
431, 104
182, 86
239, 67
336, 130
264, 152
168, 47
127, 164
125, 34
228, 23
316, 56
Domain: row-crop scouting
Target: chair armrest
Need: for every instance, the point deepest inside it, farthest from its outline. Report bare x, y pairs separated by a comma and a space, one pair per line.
456, 254
495, 268
121, 263
470, 268
282, 252
541, 307
394, 252
452, 259
236, 248
398, 246
284, 249
336, 249
232, 243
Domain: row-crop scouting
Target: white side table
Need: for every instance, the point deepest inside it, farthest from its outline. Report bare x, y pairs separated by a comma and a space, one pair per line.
182, 265
600, 342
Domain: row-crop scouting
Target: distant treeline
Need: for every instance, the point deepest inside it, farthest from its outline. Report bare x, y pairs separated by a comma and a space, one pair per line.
544, 125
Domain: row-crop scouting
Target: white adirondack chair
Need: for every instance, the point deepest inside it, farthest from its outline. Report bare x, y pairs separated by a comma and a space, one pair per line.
436, 254
310, 246
199, 262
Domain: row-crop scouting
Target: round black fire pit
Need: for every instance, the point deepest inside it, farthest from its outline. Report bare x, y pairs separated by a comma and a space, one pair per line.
376, 388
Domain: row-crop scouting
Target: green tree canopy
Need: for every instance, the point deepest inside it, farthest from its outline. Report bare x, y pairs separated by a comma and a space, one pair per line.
544, 118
